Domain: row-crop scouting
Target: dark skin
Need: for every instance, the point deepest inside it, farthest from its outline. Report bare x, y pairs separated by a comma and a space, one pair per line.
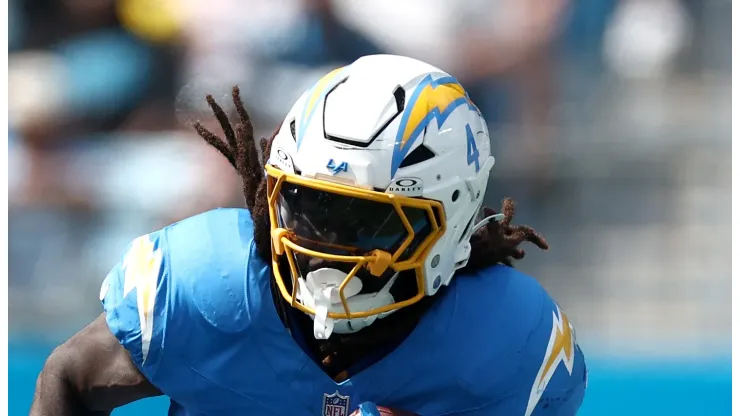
92, 374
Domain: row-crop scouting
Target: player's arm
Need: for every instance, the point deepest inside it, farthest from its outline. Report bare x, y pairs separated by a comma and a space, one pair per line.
114, 360
90, 374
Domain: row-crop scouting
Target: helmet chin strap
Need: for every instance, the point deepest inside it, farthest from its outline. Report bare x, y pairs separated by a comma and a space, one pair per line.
482, 223
462, 252
320, 291
323, 326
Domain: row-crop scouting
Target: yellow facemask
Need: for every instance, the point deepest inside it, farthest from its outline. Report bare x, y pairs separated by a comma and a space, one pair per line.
300, 208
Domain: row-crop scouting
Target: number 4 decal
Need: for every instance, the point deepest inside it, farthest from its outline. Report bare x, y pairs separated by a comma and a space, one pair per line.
473, 153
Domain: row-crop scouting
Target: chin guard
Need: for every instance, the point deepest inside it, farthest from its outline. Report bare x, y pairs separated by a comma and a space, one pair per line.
321, 292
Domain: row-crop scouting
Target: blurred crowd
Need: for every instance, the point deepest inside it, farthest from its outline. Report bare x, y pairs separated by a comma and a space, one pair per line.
610, 120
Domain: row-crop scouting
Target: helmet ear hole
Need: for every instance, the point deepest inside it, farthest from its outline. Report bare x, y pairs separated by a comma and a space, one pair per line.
455, 195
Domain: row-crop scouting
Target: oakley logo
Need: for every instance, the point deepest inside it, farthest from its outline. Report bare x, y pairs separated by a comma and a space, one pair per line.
407, 187
336, 168
282, 160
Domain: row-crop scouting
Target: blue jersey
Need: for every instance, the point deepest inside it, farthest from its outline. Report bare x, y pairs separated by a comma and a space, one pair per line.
193, 306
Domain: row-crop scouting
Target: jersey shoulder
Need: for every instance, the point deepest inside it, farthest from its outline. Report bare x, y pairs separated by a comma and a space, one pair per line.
496, 301
184, 283
499, 308
523, 342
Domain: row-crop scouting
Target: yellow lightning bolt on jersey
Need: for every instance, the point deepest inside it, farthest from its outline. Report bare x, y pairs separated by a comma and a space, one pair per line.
560, 348
141, 271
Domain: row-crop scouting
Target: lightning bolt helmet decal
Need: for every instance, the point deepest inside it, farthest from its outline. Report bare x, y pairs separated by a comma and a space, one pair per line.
432, 99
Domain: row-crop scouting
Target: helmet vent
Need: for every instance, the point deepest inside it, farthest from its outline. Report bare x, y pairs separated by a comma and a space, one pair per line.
418, 155
292, 129
400, 95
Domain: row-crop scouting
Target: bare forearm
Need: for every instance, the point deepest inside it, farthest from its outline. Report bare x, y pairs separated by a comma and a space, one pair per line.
90, 374
55, 396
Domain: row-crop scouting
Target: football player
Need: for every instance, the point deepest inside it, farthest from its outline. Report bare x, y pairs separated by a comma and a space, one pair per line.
364, 271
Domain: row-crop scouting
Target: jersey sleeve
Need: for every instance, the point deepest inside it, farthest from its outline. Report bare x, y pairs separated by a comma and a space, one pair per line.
134, 296
555, 374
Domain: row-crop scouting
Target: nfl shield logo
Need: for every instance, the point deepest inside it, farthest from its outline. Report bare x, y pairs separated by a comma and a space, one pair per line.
336, 404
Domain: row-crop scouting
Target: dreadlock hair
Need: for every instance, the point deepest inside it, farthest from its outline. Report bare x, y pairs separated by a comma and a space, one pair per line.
495, 243
498, 241
240, 148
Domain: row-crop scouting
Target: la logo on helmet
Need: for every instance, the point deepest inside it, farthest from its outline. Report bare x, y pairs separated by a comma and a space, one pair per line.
336, 168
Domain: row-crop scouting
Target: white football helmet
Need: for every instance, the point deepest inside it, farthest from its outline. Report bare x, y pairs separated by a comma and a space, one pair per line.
375, 182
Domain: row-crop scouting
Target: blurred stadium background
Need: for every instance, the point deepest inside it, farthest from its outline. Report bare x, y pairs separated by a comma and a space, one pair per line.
610, 119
